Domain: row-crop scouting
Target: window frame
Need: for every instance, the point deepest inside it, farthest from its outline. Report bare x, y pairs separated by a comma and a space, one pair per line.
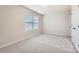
32, 23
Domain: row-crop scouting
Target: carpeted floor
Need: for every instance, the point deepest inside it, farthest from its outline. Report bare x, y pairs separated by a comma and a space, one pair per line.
41, 44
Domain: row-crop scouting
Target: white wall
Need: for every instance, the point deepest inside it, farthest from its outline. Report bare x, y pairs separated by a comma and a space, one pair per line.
57, 23
12, 20
75, 22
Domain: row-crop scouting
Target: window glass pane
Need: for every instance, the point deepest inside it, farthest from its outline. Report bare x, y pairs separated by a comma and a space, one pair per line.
35, 22
28, 23
35, 26
28, 26
28, 19
35, 19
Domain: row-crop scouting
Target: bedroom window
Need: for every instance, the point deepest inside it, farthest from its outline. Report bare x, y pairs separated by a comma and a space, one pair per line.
31, 23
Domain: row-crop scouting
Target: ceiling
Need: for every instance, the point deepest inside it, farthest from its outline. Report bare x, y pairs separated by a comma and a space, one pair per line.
46, 9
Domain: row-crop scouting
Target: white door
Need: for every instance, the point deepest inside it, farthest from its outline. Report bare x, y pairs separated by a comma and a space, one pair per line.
75, 26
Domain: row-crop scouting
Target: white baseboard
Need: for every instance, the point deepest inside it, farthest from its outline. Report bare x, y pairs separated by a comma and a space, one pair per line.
57, 35
10, 43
